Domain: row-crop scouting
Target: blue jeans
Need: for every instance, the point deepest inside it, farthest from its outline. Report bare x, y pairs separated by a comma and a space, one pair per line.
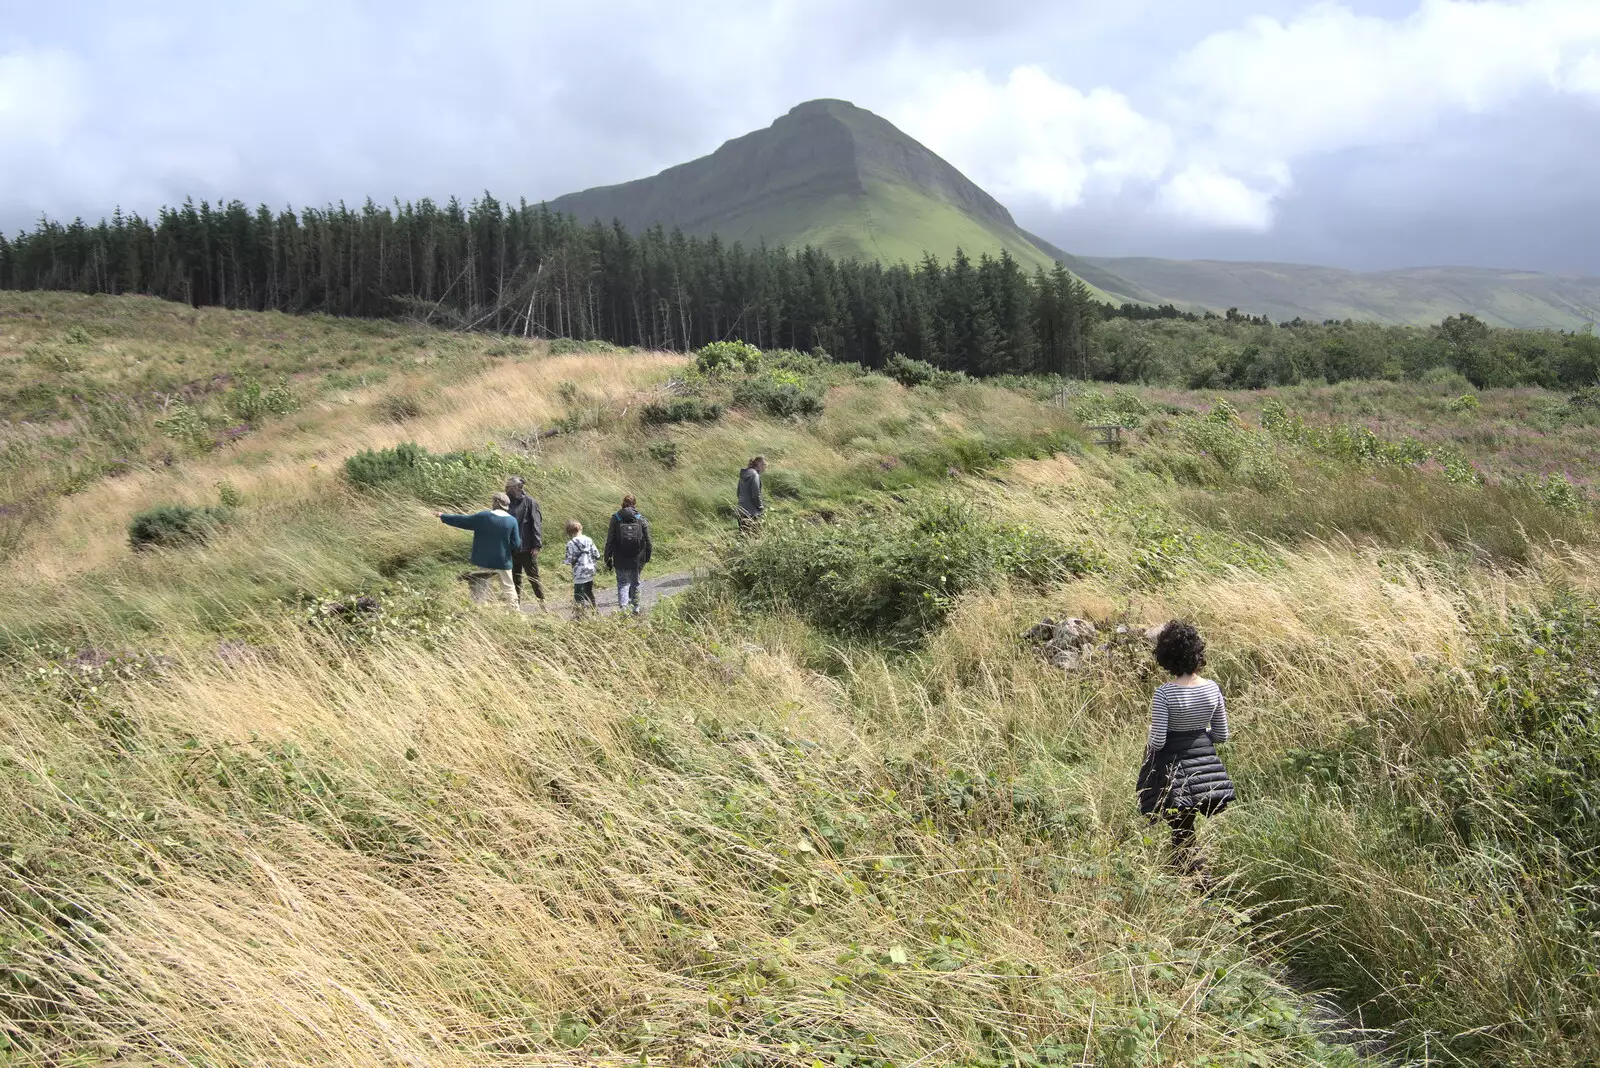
628, 588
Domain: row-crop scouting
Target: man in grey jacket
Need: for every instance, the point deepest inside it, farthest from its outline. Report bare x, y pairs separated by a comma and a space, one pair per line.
751, 506
531, 525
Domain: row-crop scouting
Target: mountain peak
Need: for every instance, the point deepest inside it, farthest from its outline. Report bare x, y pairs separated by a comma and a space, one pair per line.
826, 104
826, 173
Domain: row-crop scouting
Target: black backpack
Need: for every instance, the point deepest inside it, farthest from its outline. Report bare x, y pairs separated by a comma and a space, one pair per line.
630, 536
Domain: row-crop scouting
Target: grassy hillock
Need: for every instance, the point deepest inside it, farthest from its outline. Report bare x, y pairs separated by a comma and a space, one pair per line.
278, 795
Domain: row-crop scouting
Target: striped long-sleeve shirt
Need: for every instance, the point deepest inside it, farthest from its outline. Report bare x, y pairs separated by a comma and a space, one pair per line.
1188, 708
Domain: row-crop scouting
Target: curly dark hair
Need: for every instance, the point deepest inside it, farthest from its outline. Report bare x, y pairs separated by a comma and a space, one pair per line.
1180, 649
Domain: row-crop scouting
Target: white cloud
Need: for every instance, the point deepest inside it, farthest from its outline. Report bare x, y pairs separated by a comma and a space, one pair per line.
1330, 78
1203, 192
1031, 134
1218, 146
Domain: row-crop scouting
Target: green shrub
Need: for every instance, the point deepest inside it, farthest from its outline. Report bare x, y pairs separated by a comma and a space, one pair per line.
251, 402
1223, 413
1465, 404
1557, 492
720, 356
174, 526
665, 453
1219, 451
1449, 377
909, 373
448, 478
680, 410
228, 494
567, 346
780, 393
1122, 408
187, 425
892, 575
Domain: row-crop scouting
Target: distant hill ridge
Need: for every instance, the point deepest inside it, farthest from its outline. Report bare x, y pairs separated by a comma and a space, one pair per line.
837, 177
1415, 295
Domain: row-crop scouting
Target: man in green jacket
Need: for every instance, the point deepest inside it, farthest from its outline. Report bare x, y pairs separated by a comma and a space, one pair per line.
496, 535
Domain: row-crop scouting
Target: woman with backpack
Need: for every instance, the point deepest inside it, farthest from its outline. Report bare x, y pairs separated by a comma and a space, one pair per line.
627, 551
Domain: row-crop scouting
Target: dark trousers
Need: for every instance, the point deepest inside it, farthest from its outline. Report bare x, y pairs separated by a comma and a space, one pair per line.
528, 562
1181, 820
583, 593
1184, 856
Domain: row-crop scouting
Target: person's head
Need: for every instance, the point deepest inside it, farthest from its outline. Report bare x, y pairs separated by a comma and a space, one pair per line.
1179, 649
514, 486
759, 463
630, 501
574, 528
502, 501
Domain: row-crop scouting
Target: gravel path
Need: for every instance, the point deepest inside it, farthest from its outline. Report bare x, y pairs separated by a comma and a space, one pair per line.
652, 588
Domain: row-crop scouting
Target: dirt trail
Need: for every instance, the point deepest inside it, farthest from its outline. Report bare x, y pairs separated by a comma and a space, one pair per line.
652, 588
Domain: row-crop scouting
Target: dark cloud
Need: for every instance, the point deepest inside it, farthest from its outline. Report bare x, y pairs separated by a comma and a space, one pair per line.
1505, 190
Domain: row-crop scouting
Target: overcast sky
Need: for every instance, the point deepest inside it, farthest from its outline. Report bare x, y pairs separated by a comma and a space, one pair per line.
1360, 133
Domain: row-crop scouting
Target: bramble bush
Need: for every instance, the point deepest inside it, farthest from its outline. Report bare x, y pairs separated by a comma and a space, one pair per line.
680, 410
720, 356
909, 373
1557, 492
780, 393
445, 478
894, 575
1218, 450
174, 526
187, 425
567, 346
1122, 408
251, 402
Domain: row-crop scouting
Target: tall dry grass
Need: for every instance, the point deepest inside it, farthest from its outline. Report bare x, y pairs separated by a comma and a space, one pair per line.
552, 844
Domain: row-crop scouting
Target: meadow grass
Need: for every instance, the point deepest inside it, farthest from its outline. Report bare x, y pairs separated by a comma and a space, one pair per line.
244, 821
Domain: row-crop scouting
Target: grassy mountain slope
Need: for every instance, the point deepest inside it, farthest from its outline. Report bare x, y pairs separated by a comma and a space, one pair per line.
248, 818
1417, 296
827, 174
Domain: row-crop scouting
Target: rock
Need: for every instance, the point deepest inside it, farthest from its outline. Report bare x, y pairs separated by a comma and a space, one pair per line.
1151, 634
1076, 632
1070, 659
1066, 643
1040, 632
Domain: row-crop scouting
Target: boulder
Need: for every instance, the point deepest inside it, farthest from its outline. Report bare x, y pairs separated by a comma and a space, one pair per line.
1066, 633
1065, 643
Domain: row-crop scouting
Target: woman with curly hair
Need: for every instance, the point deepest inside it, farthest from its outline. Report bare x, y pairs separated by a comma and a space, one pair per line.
1182, 774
